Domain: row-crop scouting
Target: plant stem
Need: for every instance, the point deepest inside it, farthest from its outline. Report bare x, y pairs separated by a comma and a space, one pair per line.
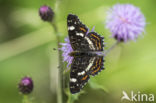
112, 47
60, 88
25, 99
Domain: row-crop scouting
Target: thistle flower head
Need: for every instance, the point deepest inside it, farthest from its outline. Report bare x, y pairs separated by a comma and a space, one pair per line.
66, 48
125, 22
25, 85
46, 13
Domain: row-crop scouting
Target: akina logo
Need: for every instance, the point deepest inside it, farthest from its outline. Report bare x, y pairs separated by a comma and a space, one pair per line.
137, 97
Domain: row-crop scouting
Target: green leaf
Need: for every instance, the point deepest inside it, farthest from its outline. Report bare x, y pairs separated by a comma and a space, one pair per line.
73, 97
97, 86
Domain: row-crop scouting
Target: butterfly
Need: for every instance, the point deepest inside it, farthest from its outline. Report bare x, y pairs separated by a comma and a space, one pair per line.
85, 46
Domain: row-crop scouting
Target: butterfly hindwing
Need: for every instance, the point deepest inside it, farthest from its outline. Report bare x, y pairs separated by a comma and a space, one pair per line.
97, 65
81, 68
78, 74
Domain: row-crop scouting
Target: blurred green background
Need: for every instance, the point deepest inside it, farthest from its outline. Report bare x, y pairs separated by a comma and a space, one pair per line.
26, 48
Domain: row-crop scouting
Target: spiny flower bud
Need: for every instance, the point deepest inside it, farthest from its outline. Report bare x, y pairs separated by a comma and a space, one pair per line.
46, 13
26, 85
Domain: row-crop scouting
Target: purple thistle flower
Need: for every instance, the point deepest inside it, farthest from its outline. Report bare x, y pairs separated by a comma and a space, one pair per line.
26, 85
66, 48
46, 13
125, 21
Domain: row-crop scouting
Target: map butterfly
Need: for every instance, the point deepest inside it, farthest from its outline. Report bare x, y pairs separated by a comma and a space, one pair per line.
85, 46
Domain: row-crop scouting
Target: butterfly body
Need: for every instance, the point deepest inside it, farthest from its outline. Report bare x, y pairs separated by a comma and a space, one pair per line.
82, 54
86, 60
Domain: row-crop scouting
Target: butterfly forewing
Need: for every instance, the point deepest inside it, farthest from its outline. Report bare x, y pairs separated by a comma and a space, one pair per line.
77, 32
79, 39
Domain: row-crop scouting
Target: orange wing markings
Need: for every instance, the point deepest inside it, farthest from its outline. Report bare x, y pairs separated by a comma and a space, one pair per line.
85, 77
99, 45
96, 41
83, 29
96, 70
100, 61
98, 67
95, 36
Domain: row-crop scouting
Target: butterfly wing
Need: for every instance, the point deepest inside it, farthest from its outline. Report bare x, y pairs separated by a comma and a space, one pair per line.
77, 32
81, 68
97, 66
96, 40
98, 43
80, 40
79, 75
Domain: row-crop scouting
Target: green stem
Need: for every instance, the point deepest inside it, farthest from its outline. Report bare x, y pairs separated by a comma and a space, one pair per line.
25, 99
60, 88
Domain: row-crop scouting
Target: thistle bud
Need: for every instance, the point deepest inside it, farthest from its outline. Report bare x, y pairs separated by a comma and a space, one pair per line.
46, 13
26, 85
